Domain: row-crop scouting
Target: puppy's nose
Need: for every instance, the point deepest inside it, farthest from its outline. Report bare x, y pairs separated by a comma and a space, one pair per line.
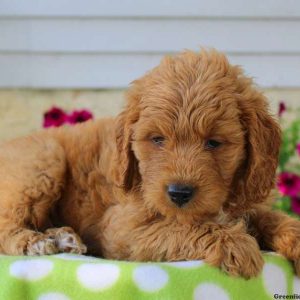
180, 194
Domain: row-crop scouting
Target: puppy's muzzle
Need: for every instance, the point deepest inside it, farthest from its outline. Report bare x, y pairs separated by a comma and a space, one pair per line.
180, 194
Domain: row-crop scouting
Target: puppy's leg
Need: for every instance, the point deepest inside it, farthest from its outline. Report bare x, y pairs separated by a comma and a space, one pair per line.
66, 240
233, 250
32, 171
225, 246
278, 232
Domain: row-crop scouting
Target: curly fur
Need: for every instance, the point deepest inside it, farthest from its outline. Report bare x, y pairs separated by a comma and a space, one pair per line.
107, 180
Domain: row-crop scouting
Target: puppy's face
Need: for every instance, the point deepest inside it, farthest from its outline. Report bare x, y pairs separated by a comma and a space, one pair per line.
188, 151
189, 136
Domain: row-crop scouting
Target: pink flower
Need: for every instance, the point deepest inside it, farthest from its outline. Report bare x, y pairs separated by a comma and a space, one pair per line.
298, 148
289, 184
54, 117
79, 116
296, 205
282, 108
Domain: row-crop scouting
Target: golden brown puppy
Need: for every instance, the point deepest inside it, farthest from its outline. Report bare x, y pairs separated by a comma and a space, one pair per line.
184, 172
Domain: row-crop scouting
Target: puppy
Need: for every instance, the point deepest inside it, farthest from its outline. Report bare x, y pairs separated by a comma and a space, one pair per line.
183, 173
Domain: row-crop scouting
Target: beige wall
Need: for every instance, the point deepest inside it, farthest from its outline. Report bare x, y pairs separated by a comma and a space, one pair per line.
21, 111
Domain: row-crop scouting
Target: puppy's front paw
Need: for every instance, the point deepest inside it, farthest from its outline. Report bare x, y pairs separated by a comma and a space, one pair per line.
66, 240
238, 256
287, 244
41, 245
243, 259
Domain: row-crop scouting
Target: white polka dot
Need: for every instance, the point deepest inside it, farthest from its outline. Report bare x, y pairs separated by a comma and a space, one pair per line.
150, 278
186, 264
31, 270
69, 256
296, 285
98, 276
53, 296
274, 279
209, 291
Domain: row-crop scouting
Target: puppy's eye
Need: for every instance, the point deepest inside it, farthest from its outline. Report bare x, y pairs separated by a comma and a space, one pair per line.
212, 144
158, 140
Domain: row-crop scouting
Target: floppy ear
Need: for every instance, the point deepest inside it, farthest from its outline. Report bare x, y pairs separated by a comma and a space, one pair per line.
126, 167
263, 137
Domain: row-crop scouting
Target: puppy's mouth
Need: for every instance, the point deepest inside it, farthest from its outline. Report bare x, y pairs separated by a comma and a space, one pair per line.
180, 194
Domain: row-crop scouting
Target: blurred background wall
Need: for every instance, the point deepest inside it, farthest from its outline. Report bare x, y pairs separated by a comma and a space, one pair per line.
83, 54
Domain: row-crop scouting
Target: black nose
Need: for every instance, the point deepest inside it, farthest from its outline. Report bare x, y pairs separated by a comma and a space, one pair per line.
180, 194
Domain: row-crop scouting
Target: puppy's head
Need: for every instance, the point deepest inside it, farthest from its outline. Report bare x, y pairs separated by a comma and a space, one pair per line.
196, 138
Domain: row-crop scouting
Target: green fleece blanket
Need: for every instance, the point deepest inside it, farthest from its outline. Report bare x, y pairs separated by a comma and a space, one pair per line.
66, 277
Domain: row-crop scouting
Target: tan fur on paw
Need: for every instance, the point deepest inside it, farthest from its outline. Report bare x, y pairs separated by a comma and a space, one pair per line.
67, 240
244, 259
243, 263
41, 245
237, 255
288, 244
